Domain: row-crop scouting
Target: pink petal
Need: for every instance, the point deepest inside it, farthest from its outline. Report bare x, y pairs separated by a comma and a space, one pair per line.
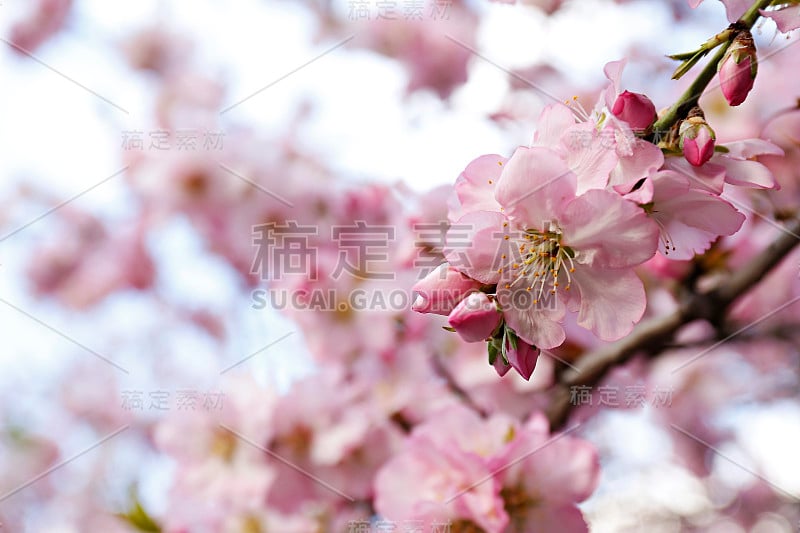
475, 245
475, 186
613, 71
592, 159
612, 301
691, 218
534, 186
553, 121
736, 8
607, 231
787, 19
646, 158
537, 325
747, 148
746, 173
709, 177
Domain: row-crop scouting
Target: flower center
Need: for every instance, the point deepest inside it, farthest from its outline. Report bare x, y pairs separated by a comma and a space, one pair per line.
539, 258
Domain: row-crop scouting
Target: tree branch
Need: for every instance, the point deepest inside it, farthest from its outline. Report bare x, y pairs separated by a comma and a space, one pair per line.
653, 335
693, 93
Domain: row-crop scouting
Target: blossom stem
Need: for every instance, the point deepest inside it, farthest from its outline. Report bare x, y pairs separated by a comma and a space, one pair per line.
654, 335
692, 94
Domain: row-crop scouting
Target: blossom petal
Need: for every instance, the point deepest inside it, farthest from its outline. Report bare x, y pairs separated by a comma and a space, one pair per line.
747, 148
534, 186
536, 324
646, 158
475, 245
612, 301
553, 121
607, 231
592, 159
746, 173
787, 19
475, 185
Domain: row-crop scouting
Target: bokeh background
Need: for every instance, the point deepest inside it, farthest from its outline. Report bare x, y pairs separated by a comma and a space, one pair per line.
125, 267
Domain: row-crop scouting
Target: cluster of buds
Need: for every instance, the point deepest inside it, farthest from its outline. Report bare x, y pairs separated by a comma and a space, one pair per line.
474, 315
737, 70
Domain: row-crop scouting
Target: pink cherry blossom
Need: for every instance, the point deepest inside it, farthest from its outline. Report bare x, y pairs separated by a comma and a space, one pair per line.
689, 219
543, 244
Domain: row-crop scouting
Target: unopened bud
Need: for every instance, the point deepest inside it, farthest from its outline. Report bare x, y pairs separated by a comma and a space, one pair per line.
737, 70
697, 140
441, 290
475, 318
522, 357
635, 109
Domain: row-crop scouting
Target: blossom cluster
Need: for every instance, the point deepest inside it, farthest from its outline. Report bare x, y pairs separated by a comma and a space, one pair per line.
559, 227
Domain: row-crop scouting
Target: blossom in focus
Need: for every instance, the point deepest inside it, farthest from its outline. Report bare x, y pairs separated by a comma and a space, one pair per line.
544, 240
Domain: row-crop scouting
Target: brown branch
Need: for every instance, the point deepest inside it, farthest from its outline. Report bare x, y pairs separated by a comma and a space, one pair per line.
652, 336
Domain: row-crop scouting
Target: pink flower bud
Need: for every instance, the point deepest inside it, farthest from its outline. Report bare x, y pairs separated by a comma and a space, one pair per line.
737, 70
441, 290
522, 358
475, 318
500, 366
635, 109
697, 140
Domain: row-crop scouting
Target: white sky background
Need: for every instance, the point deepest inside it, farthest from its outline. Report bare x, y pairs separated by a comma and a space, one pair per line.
63, 139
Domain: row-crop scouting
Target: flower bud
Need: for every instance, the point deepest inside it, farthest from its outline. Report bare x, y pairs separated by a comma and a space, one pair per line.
441, 290
522, 358
737, 70
475, 318
500, 366
697, 140
635, 109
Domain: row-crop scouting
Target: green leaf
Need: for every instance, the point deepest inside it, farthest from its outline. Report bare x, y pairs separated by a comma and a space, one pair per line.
512, 338
492, 349
687, 65
139, 519
682, 56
